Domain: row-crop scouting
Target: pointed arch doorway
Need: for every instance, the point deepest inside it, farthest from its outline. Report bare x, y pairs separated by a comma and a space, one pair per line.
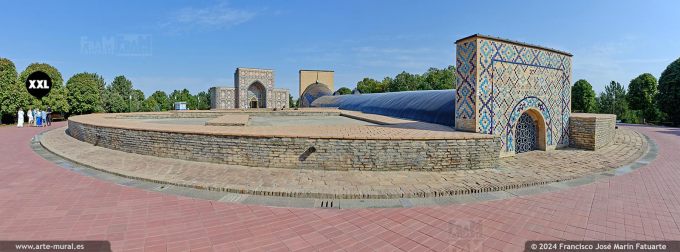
257, 95
530, 132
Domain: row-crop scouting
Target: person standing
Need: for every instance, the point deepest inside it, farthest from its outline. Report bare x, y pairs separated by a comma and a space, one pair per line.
36, 117
20, 118
30, 117
43, 116
49, 116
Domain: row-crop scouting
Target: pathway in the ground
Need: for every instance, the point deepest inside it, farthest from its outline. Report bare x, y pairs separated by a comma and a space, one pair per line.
39, 200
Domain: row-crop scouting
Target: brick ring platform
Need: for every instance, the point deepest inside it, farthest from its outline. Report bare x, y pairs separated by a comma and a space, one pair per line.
512, 173
387, 144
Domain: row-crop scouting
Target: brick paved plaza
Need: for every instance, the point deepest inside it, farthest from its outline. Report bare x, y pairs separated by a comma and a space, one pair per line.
39, 200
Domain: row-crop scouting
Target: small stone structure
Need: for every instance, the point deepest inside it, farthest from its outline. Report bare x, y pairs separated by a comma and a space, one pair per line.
591, 131
253, 88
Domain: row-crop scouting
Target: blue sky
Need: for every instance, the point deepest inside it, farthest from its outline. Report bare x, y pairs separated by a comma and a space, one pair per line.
198, 44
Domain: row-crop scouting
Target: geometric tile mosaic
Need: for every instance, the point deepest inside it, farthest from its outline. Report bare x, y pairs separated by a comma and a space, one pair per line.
466, 85
509, 79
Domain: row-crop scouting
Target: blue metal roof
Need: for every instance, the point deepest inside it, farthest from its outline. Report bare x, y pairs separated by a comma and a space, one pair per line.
435, 106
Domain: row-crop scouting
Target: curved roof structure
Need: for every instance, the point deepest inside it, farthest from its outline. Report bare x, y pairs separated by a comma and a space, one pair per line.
312, 92
435, 106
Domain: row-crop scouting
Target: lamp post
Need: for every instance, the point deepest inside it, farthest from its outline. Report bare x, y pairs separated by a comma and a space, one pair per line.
130, 103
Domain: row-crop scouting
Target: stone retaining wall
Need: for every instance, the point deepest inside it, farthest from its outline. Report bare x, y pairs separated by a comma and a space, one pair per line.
298, 152
591, 131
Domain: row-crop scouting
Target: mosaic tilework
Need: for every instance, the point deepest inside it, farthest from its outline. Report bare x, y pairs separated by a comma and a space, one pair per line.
237, 96
511, 79
244, 77
466, 85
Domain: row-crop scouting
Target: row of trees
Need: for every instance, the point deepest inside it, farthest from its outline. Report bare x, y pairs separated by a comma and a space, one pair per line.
645, 99
433, 78
85, 93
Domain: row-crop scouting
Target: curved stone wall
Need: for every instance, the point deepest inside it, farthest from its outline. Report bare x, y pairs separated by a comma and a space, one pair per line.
294, 152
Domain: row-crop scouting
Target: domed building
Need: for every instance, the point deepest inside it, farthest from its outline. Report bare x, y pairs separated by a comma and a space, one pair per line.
315, 84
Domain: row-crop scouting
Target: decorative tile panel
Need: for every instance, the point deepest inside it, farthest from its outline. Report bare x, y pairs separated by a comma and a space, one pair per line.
506, 80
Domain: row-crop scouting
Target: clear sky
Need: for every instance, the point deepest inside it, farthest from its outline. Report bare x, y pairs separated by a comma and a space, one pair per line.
198, 44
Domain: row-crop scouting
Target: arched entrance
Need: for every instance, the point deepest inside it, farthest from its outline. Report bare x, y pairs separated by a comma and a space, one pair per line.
530, 132
257, 96
525, 134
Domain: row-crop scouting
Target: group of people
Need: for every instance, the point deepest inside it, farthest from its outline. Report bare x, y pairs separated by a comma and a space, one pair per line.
36, 117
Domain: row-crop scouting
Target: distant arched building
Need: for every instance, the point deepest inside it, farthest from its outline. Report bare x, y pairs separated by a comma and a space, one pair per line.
253, 88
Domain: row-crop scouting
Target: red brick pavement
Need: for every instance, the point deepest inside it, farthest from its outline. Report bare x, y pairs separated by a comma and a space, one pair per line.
39, 200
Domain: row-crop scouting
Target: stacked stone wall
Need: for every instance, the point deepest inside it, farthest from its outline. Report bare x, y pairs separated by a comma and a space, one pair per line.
591, 131
298, 152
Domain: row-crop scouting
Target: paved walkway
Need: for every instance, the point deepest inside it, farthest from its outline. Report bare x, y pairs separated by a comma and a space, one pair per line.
533, 168
39, 200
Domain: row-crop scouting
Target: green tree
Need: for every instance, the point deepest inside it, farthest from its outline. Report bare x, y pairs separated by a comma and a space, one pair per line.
117, 95
404, 82
368, 85
84, 93
642, 93
150, 105
203, 99
137, 100
669, 92
384, 85
583, 97
181, 96
291, 101
12, 94
158, 101
114, 102
613, 101
121, 86
56, 99
344, 91
439, 79
433, 78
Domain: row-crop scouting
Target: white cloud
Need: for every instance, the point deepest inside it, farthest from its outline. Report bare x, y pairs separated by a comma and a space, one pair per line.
218, 16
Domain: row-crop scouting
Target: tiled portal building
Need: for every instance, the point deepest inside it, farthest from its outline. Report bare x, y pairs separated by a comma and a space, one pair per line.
253, 88
517, 91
